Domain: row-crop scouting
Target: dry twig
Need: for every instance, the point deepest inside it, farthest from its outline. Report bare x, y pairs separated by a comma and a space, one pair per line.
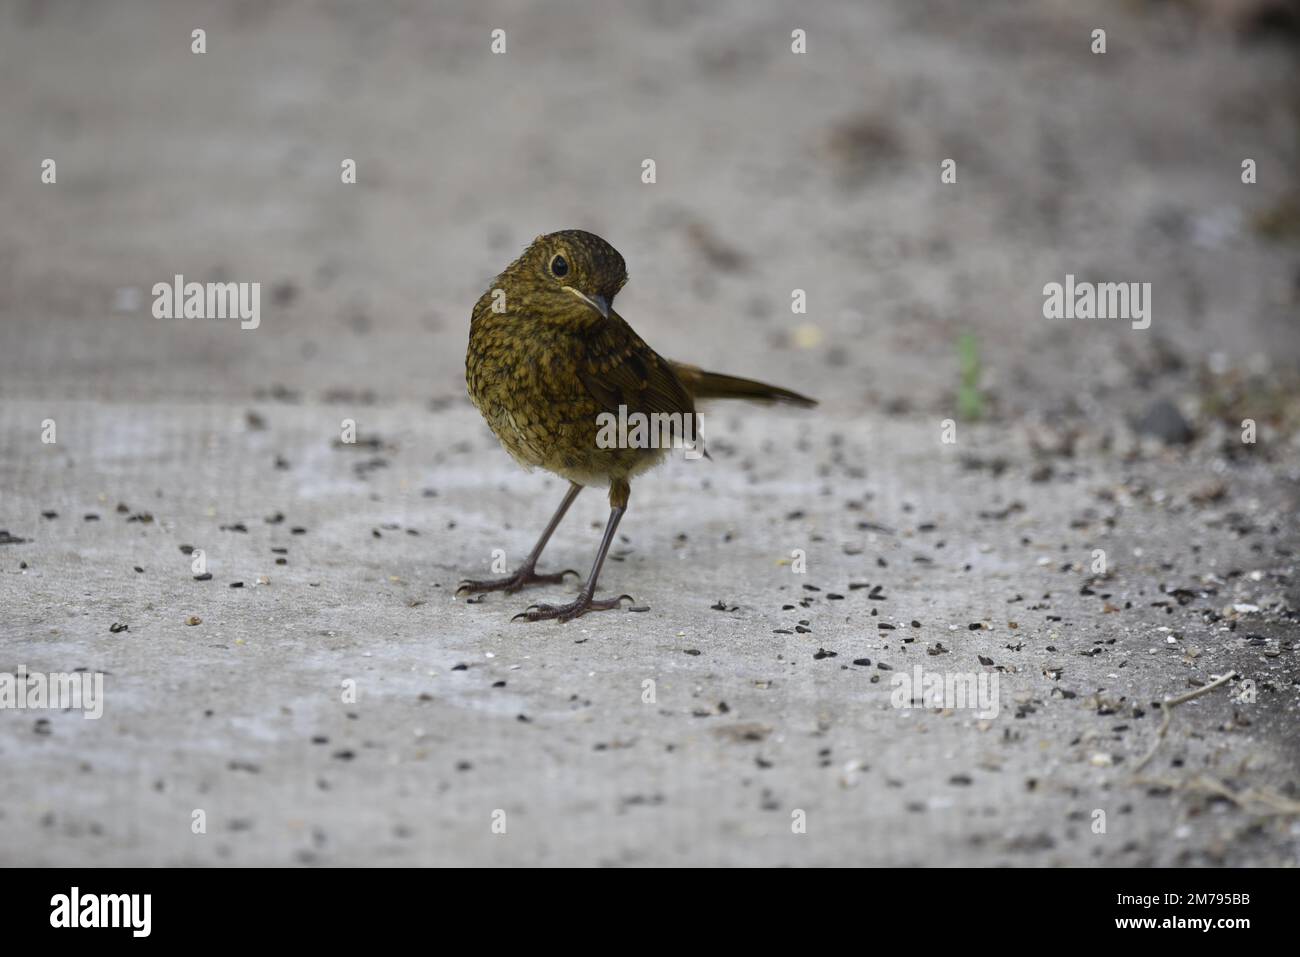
1168, 705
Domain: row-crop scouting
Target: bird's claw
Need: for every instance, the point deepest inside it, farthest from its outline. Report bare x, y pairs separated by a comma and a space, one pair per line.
512, 583
574, 609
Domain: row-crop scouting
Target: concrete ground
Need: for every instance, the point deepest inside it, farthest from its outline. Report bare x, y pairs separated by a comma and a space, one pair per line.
1096, 535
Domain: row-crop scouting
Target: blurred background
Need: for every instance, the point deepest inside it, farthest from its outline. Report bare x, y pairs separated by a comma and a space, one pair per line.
775, 171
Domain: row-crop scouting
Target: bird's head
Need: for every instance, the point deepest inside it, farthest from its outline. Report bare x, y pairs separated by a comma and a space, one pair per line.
569, 274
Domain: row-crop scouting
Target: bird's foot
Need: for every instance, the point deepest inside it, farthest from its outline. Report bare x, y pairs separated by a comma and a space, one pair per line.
574, 609
512, 583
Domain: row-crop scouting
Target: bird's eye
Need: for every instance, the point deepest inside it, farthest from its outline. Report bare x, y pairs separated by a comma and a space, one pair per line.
559, 267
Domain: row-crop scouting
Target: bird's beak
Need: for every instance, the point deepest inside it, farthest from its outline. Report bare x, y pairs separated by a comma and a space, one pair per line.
599, 303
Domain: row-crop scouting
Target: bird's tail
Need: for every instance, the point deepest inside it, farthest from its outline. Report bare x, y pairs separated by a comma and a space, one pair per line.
716, 385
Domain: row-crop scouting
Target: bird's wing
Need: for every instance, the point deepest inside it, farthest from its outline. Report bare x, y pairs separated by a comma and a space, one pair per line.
618, 368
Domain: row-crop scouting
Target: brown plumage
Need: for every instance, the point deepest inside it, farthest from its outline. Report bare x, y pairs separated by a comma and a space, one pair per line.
548, 355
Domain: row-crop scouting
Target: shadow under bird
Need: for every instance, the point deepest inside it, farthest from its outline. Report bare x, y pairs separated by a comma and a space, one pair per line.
550, 361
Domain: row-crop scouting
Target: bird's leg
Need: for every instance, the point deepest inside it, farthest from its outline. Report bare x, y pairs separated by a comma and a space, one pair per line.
526, 574
619, 491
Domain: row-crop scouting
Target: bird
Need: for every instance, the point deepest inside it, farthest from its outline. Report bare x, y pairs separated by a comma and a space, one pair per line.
558, 374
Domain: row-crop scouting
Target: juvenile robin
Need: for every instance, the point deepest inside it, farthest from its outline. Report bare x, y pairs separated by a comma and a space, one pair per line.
551, 365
